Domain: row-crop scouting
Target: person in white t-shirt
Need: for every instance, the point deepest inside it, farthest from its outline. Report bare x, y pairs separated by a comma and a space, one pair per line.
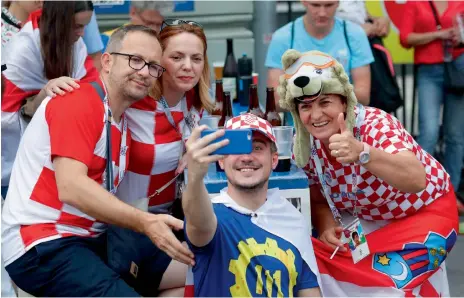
355, 11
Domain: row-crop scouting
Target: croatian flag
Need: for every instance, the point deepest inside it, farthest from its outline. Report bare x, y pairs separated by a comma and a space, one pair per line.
24, 77
407, 257
189, 290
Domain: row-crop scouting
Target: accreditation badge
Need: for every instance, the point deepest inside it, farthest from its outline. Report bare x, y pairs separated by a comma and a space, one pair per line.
354, 235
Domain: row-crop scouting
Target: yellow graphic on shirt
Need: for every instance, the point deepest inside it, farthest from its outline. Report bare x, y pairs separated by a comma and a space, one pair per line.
252, 249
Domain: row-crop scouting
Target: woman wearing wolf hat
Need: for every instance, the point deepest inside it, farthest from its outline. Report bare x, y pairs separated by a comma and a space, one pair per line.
367, 174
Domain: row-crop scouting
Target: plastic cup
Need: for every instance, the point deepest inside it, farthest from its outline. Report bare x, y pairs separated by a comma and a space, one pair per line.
211, 121
218, 69
284, 139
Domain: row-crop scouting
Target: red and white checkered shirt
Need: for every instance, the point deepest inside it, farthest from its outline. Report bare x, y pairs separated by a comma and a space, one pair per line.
155, 151
377, 200
71, 126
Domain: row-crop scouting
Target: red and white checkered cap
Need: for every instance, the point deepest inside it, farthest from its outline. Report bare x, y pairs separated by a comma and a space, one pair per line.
254, 123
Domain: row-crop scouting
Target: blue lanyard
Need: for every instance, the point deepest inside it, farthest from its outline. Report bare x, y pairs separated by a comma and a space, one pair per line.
108, 177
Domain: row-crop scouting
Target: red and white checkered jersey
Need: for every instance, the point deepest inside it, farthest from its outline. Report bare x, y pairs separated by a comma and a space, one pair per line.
69, 126
377, 199
155, 151
25, 77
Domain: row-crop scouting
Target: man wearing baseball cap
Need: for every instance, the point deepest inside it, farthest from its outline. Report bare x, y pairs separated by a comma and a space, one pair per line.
248, 241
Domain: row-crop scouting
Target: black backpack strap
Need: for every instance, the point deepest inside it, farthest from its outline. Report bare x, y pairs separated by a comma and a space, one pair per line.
292, 37
345, 33
109, 162
7, 20
435, 15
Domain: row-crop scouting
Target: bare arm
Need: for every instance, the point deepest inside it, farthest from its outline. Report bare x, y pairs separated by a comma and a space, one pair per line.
401, 170
362, 83
313, 292
199, 214
321, 215
417, 39
78, 190
201, 222
273, 75
381, 26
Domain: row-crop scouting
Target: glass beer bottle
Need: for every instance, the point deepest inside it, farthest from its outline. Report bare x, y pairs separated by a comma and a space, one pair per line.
217, 111
271, 114
226, 110
230, 71
253, 107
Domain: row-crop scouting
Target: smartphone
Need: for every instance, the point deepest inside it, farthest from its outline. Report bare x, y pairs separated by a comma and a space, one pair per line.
239, 141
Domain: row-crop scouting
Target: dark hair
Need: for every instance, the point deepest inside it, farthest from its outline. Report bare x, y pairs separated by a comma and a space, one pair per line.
56, 24
355, 234
116, 39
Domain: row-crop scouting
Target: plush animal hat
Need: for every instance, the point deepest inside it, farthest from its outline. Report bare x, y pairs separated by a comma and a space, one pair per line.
307, 76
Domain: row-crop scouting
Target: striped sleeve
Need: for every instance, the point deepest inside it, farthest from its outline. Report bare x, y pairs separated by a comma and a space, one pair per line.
75, 125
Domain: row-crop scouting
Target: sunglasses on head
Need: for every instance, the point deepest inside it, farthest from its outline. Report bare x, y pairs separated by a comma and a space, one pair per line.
176, 22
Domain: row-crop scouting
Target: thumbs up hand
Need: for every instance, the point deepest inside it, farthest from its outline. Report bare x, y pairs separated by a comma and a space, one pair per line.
344, 146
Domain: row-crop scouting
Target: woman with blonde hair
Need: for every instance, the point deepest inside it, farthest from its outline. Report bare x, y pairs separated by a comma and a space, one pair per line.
160, 124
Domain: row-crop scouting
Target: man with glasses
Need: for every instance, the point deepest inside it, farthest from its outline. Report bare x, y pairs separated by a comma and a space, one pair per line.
146, 13
61, 188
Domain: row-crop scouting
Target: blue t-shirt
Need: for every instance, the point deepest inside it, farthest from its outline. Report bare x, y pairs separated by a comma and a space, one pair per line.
92, 38
244, 260
334, 44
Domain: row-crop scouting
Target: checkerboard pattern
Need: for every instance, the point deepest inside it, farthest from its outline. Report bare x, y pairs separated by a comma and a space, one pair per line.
253, 122
156, 148
377, 199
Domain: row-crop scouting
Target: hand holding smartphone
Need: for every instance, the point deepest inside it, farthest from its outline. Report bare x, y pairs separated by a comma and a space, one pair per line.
240, 141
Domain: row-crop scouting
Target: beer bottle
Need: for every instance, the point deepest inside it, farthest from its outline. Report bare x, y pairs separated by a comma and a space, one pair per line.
226, 110
253, 107
219, 99
271, 114
230, 72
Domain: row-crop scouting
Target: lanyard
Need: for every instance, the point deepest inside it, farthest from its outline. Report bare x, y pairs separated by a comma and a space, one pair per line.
187, 116
354, 170
190, 124
109, 177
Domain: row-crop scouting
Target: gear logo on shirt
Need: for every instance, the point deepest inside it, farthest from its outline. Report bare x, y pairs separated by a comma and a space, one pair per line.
273, 279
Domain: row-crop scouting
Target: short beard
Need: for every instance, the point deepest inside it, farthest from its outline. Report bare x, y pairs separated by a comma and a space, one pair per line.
250, 188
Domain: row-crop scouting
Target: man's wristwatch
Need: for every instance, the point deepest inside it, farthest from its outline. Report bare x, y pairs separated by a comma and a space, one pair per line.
365, 155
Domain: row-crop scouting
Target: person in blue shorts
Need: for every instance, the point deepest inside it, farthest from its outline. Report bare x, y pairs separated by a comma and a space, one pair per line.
320, 30
249, 240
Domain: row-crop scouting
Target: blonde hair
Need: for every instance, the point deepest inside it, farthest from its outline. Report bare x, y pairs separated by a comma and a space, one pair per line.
202, 97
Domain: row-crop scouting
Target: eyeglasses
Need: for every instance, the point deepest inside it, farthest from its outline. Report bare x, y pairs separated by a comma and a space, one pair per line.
175, 22
137, 63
